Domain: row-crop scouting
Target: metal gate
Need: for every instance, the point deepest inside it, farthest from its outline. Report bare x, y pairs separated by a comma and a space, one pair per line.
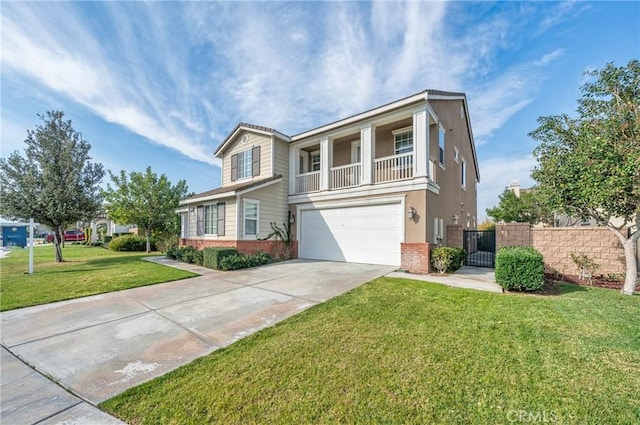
481, 248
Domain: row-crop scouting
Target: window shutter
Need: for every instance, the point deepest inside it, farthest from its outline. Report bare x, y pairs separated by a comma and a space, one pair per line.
234, 167
221, 208
200, 221
255, 158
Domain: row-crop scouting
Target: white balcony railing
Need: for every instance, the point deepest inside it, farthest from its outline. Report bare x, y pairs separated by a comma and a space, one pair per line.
345, 176
308, 182
392, 168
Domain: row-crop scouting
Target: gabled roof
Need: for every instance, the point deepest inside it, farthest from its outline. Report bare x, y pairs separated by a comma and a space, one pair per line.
233, 190
248, 127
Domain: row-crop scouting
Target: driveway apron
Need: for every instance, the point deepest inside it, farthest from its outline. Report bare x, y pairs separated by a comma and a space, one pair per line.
99, 346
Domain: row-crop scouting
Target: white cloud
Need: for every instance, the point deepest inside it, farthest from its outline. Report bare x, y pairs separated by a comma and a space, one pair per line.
73, 63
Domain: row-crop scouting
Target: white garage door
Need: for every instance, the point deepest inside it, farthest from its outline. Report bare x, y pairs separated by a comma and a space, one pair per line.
362, 234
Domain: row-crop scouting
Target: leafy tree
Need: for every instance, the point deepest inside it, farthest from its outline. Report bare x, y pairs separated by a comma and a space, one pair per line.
55, 183
144, 199
525, 208
487, 225
589, 166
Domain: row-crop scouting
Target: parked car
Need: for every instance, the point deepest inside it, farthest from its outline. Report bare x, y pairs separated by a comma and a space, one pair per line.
69, 236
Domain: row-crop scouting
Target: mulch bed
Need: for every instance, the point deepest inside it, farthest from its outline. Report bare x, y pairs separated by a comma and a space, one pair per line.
597, 281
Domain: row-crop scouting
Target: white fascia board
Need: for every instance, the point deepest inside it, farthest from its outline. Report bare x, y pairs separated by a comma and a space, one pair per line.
208, 198
362, 116
182, 210
279, 135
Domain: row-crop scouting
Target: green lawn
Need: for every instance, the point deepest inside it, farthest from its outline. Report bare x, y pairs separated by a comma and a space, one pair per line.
397, 351
86, 271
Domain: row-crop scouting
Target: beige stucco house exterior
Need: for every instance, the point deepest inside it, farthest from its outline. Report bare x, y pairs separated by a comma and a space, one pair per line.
377, 187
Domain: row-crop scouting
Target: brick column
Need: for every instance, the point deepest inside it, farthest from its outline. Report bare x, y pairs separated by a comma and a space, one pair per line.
416, 257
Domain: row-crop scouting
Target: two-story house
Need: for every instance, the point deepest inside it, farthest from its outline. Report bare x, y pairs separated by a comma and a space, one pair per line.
377, 187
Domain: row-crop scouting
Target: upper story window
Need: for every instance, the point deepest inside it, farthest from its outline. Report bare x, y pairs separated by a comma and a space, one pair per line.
403, 140
245, 164
441, 137
315, 161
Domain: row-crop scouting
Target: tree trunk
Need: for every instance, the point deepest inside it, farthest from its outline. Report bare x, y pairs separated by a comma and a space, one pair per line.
148, 233
629, 245
56, 245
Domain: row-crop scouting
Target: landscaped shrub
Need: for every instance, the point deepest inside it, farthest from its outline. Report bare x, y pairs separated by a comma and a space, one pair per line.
239, 261
213, 256
446, 259
188, 254
519, 268
130, 242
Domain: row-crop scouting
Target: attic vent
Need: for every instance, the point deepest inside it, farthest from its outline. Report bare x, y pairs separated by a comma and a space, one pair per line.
244, 139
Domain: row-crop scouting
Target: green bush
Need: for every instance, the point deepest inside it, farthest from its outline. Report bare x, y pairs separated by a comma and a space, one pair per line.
446, 259
239, 261
213, 256
130, 242
188, 254
519, 268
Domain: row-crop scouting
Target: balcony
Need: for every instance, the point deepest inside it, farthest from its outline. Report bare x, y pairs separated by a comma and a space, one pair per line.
393, 168
383, 170
308, 182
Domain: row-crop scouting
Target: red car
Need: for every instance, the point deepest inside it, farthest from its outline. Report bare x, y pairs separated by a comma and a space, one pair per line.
69, 236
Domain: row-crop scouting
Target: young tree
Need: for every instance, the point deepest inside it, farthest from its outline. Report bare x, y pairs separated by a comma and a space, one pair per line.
525, 208
589, 166
144, 199
54, 183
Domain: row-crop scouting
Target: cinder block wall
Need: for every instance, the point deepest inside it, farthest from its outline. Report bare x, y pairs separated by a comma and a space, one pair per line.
557, 243
455, 235
598, 243
513, 234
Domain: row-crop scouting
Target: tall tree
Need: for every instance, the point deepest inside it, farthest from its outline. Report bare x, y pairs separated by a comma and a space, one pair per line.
55, 183
525, 208
589, 166
144, 199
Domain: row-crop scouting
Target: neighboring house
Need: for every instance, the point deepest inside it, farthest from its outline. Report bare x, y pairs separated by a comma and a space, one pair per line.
112, 227
377, 187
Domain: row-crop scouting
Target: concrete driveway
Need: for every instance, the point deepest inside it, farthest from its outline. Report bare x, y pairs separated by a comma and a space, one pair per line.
99, 346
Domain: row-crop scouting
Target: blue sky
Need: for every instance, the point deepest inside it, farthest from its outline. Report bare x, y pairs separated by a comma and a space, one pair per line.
162, 83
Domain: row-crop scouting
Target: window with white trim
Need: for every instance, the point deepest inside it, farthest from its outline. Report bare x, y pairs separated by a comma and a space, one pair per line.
441, 137
244, 164
403, 141
315, 161
463, 173
251, 214
211, 219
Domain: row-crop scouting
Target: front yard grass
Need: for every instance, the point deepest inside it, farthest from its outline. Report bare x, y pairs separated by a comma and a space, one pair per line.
396, 351
86, 271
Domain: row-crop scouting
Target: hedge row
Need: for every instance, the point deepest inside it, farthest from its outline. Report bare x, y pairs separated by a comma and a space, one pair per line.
130, 242
218, 258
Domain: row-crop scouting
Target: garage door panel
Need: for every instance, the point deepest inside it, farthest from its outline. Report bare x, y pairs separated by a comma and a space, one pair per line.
364, 234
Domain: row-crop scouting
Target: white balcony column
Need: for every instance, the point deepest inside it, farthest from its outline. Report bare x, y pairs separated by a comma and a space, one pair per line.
421, 142
367, 153
294, 158
326, 162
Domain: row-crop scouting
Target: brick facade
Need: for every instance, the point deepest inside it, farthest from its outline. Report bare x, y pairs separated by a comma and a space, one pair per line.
273, 248
415, 257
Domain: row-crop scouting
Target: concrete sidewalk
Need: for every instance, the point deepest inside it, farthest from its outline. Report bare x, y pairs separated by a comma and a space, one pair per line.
98, 346
479, 278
